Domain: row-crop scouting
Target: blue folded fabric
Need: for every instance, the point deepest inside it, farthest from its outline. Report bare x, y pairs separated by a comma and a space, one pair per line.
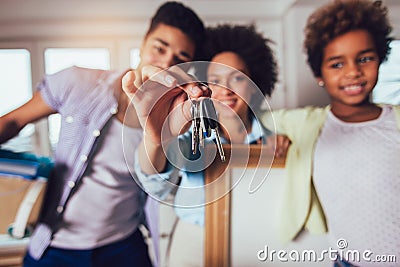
46, 164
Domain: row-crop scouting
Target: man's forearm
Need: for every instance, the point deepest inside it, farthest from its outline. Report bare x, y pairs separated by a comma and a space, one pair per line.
151, 157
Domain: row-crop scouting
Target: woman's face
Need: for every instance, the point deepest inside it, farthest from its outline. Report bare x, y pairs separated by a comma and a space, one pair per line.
166, 46
230, 85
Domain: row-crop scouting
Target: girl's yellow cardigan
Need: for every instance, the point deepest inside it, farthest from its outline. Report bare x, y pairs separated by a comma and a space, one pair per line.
301, 207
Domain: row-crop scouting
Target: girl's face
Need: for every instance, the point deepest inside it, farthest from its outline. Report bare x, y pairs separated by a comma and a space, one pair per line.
350, 69
230, 85
166, 46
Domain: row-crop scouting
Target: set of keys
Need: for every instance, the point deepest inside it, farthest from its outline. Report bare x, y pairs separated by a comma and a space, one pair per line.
204, 121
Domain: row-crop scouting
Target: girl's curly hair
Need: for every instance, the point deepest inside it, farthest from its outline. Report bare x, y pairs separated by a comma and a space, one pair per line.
340, 17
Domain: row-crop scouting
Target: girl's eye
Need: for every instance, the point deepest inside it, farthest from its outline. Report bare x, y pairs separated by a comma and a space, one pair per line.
366, 59
337, 65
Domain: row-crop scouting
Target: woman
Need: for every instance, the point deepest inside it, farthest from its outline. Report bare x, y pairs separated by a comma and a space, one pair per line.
242, 71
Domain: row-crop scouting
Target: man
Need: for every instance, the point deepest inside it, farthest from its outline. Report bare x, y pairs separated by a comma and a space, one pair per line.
93, 206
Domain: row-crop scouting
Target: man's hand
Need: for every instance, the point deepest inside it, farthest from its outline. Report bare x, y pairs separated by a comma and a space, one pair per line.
160, 98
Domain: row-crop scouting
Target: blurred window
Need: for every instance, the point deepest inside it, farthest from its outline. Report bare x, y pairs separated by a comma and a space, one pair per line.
15, 90
134, 57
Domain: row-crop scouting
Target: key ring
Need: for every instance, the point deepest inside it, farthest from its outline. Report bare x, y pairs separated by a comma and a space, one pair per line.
199, 84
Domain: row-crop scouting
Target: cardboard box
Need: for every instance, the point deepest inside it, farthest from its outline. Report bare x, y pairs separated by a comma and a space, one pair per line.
24, 197
12, 251
13, 192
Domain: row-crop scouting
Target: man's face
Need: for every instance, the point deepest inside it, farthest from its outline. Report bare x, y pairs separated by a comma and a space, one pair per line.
166, 46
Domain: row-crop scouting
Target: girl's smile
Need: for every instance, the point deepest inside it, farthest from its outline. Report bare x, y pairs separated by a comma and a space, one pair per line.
354, 89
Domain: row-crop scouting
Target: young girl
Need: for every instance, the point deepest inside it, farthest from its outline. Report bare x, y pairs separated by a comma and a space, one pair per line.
346, 154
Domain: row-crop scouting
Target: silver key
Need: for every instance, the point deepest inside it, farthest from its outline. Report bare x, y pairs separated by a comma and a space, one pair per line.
195, 125
194, 113
219, 145
204, 127
208, 115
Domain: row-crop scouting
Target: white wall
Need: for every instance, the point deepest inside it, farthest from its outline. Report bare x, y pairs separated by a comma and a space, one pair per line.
302, 89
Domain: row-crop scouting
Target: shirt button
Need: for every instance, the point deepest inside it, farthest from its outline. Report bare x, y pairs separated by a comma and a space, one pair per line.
83, 158
96, 132
69, 119
113, 111
71, 184
60, 209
